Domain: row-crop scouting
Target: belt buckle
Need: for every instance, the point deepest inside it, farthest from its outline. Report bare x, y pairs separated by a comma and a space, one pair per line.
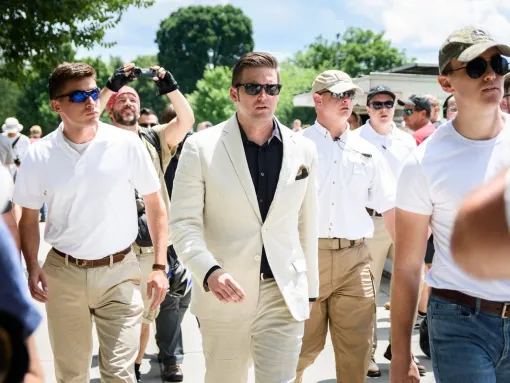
82, 262
505, 307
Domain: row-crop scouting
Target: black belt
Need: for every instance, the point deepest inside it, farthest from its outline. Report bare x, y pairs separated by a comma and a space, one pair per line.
373, 213
490, 307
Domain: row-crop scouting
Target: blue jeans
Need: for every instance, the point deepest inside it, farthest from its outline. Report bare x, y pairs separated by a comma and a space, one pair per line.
467, 345
168, 329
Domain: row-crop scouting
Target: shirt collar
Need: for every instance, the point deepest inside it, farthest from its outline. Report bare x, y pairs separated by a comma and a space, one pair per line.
375, 133
276, 132
325, 133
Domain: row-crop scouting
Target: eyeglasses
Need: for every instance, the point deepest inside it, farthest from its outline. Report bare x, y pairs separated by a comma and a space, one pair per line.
340, 96
380, 104
254, 89
408, 111
477, 67
82, 95
147, 124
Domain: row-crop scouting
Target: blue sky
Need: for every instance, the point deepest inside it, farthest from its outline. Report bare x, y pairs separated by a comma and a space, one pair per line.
283, 27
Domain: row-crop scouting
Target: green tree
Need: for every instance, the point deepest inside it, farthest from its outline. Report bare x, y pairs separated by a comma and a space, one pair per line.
356, 52
211, 99
34, 31
186, 36
11, 93
295, 80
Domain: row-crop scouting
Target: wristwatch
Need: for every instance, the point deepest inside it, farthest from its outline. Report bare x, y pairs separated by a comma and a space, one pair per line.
157, 266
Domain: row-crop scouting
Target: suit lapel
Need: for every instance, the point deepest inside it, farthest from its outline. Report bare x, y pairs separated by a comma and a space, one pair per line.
285, 172
234, 146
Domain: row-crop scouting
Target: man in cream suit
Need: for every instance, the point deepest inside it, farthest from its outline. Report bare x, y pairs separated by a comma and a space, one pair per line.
244, 221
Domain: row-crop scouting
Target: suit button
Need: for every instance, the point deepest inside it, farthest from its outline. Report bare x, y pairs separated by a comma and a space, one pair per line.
257, 258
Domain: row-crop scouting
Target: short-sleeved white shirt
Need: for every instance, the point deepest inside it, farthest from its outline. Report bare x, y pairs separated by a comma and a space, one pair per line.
507, 199
394, 146
91, 198
435, 180
352, 176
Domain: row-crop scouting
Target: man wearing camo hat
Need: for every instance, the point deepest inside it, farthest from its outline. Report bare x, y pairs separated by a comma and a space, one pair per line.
468, 318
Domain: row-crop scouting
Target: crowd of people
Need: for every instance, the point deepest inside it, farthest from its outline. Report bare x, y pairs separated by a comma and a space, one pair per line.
272, 235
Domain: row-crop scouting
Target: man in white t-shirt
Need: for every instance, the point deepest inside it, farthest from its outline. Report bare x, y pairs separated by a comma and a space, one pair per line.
353, 175
483, 227
87, 173
468, 320
19, 143
395, 145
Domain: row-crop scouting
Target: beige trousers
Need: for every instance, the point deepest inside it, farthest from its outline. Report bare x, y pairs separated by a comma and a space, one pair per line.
346, 304
111, 295
271, 340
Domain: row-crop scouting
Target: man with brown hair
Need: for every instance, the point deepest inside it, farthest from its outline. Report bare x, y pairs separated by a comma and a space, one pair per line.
244, 221
87, 173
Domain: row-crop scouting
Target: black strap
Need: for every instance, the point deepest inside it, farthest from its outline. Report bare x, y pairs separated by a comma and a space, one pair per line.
16, 141
152, 137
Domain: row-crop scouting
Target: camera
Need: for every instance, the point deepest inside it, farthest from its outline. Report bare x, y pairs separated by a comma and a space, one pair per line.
145, 72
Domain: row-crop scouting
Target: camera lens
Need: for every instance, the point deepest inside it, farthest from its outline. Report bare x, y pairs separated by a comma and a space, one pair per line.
137, 71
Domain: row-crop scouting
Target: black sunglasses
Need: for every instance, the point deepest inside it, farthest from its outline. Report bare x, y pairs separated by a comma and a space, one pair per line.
82, 95
254, 89
477, 67
147, 124
339, 96
380, 104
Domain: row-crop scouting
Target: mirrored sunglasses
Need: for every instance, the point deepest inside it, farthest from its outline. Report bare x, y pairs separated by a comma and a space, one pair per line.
254, 89
477, 67
408, 111
82, 95
339, 96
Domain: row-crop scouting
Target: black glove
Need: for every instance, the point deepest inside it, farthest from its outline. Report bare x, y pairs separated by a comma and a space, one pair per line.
166, 84
119, 79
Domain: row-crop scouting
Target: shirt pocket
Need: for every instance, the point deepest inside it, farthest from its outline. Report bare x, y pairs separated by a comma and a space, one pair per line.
355, 173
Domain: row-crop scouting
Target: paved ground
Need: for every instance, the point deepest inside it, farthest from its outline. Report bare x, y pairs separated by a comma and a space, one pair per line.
323, 370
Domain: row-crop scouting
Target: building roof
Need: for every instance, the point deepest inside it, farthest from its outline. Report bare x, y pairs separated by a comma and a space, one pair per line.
416, 68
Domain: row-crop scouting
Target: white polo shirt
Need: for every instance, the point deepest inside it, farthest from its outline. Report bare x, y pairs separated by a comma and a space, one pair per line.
394, 146
434, 181
349, 181
91, 198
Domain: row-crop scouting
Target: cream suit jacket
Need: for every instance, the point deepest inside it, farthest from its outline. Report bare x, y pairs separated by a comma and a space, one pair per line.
215, 220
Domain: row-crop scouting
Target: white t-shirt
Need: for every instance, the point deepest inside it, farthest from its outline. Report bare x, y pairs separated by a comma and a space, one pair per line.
90, 197
394, 146
352, 175
435, 180
507, 199
5, 187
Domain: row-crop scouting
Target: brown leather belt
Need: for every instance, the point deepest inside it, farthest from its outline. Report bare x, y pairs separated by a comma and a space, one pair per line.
373, 213
92, 263
489, 307
339, 243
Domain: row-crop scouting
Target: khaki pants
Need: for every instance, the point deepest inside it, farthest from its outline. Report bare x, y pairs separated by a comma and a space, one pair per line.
380, 247
146, 259
112, 295
347, 304
272, 340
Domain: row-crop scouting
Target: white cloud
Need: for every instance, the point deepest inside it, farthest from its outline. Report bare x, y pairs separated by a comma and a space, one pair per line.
426, 25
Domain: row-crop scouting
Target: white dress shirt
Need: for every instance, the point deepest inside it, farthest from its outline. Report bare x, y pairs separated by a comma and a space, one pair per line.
90, 196
394, 146
434, 181
352, 175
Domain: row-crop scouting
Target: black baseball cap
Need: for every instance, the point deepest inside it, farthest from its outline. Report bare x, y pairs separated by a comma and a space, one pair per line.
420, 101
380, 89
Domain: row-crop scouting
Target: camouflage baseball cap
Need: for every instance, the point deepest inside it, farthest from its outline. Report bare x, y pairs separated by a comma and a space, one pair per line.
467, 44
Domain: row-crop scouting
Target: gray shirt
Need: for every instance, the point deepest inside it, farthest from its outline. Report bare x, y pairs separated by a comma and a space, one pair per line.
6, 155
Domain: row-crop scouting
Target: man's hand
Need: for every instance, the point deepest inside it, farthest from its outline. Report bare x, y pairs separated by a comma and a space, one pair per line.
122, 76
35, 276
224, 287
157, 287
403, 370
165, 81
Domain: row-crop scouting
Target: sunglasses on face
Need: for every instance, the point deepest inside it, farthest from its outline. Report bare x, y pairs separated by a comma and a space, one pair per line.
82, 95
408, 111
340, 96
477, 67
377, 105
254, 89
147, 124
